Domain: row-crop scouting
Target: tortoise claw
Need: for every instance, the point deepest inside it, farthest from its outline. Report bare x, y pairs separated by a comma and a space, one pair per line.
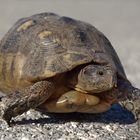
3, 114
9, 108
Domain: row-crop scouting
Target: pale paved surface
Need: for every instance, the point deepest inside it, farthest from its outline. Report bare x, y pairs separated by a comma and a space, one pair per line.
119, 20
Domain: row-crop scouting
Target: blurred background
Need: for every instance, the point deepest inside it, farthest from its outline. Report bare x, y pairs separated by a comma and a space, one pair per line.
119, 20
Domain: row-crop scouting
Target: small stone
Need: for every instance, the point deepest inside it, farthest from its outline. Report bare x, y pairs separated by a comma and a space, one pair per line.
28, 112
24, 138
108, 128
73, 124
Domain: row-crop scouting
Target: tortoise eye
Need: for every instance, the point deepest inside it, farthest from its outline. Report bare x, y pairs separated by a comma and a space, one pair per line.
101, 73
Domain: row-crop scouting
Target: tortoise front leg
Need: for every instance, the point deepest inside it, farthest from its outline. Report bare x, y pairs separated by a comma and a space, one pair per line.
107, 98
99, 108
20, 102
71, 101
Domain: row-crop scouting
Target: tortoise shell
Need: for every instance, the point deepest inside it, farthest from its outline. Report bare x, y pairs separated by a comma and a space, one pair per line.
46, 44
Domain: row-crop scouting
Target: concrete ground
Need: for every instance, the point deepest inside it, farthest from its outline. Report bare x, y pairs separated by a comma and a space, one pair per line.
120, 22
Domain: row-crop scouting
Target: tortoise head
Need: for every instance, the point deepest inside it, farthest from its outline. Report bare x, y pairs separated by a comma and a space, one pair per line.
95, 78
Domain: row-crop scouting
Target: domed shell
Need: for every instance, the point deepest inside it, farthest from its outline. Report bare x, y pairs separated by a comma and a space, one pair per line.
44, 45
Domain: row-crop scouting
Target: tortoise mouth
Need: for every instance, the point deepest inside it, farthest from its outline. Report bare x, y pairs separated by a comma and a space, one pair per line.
95, 90
80, 90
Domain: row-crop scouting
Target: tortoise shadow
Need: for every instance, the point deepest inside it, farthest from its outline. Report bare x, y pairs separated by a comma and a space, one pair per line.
116, 114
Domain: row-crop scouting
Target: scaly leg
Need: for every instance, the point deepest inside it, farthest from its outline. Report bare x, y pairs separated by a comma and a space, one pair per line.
69, 102
20, 102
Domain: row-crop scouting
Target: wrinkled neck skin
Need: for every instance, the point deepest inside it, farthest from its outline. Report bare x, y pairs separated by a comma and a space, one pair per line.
129, 97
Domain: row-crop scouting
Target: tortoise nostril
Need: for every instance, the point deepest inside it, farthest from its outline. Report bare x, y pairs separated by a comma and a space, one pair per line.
87, 72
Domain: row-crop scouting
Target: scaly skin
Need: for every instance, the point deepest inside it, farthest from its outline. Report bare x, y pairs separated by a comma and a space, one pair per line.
129, 97
132, 103
20, 102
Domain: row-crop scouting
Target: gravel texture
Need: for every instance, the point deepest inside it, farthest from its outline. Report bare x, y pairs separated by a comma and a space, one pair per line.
120, 21
116, 124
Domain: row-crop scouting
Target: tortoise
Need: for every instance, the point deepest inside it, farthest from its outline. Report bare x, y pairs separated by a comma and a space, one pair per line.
58, 64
